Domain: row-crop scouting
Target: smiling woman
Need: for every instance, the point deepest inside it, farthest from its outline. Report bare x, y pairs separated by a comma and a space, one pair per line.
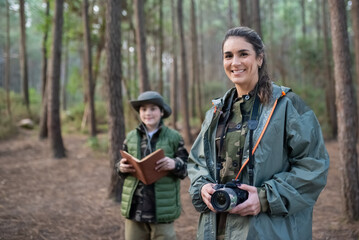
267, 143
241, 64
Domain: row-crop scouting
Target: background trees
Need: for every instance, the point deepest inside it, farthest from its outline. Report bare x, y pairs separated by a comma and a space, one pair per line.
146, 52
23, 57
347, 109
53, 97
114, 90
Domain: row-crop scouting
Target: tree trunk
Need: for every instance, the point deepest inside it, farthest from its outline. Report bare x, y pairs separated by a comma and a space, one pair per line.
7, 61
271, 40
54, 124
256, 23
174, 79
329, 83
230, 14
88, 70
66, 75
304, 27
43, 132
202, 70
160, 85
197, 95
346, 108
23, 58
184, 78
192, 70
99, 49
141, 45
355, 26
317, 22
243, 13
114, 91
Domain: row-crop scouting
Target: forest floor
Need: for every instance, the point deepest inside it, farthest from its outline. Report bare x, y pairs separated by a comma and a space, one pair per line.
46, 198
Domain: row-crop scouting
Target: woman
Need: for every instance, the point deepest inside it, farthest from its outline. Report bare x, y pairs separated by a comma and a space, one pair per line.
151, 209
288, 167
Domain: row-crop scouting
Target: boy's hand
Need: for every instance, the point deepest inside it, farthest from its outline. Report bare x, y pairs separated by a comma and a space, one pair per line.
165, 164
125, 167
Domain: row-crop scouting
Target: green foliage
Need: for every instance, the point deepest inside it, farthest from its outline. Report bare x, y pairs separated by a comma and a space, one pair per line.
99, 144
310, 61
74, 87
7, 127
296, 60
101, 112
72, 118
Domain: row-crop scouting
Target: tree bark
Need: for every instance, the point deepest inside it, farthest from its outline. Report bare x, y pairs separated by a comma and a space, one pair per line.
256, 17
304, 26
355, 26
174, 79
88, 70
184, 78
329, 83
66, 75
230, 14
54, 124
141, 45
43, 132
7, 62
197, 93
160, 85
202, 70
346, 109
99, 49
317, 22
114, 91
23, 57
243, 13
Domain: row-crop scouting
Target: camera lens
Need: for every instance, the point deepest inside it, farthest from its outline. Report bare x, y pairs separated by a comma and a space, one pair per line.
220, 200
224, 199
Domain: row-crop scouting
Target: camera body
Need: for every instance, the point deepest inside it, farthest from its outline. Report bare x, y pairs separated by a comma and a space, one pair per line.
227, 196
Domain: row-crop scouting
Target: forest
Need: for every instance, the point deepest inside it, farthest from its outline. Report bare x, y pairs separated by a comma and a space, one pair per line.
68, 70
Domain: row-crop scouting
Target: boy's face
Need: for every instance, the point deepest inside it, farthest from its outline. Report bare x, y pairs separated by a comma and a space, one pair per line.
150, 115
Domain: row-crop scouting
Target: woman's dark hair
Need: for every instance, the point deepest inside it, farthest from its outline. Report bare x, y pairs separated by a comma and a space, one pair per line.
264, 82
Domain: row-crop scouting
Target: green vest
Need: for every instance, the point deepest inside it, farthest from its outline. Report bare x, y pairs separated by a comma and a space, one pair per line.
167, 189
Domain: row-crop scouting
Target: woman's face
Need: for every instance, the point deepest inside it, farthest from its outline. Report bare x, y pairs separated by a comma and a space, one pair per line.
241, 64
150, 115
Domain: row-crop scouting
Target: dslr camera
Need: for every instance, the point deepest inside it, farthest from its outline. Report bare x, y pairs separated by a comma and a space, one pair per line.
227, 196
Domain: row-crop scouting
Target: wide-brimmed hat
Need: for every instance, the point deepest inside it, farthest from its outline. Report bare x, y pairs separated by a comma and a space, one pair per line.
154, 98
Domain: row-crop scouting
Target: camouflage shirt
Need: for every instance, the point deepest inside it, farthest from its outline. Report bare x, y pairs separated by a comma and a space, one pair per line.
232, 149
143, 203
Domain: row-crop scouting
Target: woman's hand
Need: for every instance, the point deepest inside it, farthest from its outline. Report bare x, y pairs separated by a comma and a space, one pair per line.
251, 206
206, 193
125, 167
165, 164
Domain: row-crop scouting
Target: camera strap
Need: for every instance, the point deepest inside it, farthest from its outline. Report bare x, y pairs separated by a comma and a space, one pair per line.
252, 125
227, 113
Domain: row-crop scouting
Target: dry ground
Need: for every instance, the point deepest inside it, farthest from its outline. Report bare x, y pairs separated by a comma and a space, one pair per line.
45, 198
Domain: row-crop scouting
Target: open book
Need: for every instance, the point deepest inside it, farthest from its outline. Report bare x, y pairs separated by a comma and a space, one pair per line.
145, 168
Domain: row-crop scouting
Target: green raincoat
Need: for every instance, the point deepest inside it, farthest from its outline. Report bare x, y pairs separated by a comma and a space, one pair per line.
291, 164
